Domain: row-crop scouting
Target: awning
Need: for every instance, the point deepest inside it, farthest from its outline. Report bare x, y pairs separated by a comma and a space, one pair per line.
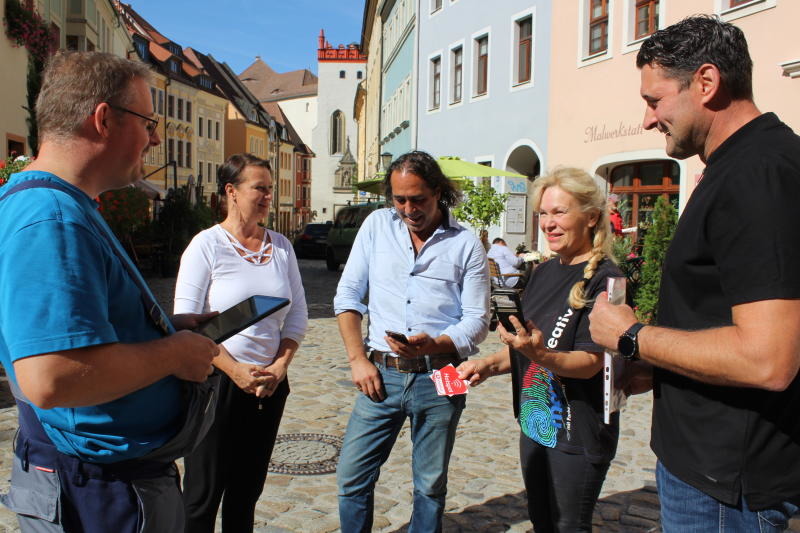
453, 167
152, 191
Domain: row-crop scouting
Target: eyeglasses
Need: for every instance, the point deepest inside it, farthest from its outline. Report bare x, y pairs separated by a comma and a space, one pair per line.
152, 123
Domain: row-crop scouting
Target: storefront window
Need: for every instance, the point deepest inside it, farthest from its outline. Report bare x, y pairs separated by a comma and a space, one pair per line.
638, 185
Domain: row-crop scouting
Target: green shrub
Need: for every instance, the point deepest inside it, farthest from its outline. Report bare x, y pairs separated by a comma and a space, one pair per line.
656, 242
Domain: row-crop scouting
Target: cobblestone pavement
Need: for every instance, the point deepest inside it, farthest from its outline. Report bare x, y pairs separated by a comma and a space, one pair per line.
485, 486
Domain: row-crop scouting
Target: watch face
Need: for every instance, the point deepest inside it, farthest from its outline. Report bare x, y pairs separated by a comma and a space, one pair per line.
626, 346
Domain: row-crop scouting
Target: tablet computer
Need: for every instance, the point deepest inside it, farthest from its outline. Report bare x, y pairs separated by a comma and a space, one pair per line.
246, 313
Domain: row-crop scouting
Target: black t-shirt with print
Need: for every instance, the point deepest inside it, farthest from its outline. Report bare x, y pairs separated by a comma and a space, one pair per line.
737, 241
559, 412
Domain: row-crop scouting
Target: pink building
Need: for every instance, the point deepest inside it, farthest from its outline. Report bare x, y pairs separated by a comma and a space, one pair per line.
595, 108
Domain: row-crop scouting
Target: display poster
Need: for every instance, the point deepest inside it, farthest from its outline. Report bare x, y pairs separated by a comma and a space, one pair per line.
515, 213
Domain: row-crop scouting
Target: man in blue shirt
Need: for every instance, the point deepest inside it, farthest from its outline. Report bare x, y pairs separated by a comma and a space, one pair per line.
507, 262
426, 278
100, 375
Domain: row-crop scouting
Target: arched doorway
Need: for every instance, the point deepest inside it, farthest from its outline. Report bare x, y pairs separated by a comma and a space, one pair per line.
524, 160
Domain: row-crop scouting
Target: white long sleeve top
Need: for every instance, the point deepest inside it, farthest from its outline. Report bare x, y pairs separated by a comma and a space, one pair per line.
213, 277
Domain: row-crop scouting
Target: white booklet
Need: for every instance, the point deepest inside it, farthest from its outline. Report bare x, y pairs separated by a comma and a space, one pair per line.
613, 365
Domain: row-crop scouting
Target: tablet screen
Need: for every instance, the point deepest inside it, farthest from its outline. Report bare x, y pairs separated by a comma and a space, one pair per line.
246, 313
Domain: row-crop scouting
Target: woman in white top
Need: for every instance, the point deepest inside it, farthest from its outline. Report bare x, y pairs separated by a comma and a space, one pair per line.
222, 266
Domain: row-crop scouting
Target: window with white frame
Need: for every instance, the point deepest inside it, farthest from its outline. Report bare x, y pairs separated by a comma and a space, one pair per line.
436, 5
457, 62
523, 57
646, 19
436, 83
481, 69
598, 26
733, 9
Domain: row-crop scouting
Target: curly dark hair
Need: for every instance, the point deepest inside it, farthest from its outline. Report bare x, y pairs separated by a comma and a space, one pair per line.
425, 166
231, 170
682, 48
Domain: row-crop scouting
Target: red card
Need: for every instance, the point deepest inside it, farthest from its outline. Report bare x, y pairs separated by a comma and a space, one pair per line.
447, 382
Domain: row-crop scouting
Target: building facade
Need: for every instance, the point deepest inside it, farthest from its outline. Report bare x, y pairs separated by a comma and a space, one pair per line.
398, 129
367, 105
595, 103
186, 100
76, 25
484, 82
340, 70
12, 113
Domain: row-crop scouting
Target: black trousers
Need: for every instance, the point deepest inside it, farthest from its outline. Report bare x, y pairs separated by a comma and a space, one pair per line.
230, 465
562, 488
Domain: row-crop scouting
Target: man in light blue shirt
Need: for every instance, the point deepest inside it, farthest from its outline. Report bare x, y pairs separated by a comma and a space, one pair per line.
507, 262
427, 280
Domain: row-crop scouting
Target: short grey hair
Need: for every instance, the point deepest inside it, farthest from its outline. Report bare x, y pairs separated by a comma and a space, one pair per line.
76, 82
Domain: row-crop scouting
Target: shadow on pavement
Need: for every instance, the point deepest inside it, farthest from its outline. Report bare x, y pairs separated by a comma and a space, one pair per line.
6, 398
492, 516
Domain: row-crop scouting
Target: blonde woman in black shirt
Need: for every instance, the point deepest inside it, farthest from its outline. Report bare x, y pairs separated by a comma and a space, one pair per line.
565, 448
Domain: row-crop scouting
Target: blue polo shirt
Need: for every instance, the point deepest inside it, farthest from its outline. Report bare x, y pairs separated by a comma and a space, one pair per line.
62, 287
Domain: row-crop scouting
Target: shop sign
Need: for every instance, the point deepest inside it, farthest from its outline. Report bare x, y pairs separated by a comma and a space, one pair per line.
605, 132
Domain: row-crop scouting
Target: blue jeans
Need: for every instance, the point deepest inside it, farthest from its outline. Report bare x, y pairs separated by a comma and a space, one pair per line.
685, 509
371, 433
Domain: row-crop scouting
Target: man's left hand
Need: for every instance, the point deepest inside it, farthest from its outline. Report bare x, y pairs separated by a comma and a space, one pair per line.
608, 321
191, 320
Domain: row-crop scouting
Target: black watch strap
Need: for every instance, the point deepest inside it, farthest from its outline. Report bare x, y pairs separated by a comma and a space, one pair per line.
628, 344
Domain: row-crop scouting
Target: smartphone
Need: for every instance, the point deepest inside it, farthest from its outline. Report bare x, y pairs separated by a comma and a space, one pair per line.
399, 337
242, 315
507, 303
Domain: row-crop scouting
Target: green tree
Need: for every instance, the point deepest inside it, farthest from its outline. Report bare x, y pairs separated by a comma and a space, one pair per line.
656, 242
481, 207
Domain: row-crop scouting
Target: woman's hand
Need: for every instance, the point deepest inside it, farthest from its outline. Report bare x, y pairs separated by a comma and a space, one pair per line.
528, 340
476, 371
247, 377
270, 376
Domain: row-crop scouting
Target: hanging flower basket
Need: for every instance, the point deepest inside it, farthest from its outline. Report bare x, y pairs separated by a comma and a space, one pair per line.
25, 27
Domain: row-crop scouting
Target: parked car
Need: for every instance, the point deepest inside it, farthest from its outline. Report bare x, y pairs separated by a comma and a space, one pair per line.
345, 226
311, 243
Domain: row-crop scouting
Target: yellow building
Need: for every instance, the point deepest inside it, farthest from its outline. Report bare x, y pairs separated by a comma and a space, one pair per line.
190, 107
367, 102
77, 25
12, 114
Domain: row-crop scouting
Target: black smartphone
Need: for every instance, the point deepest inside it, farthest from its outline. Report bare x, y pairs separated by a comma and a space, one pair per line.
505, 304
234, 319
399, 337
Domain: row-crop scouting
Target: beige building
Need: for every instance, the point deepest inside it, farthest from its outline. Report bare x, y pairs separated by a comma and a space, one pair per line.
596, 108
12, 112
190, 107
368, 97
77, 25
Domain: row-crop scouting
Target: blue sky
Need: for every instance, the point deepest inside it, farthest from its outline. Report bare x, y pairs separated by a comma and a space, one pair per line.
284, 33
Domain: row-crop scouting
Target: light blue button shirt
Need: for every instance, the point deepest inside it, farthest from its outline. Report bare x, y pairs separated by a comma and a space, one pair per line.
443, 290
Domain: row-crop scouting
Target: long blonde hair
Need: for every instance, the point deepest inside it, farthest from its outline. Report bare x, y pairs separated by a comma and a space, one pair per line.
592, 199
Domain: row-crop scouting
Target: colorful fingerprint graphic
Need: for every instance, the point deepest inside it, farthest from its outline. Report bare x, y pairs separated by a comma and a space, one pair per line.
541, 408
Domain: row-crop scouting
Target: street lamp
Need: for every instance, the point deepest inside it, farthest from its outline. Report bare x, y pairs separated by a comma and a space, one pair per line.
386, 160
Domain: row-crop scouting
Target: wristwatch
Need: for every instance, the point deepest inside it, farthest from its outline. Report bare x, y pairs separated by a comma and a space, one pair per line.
628, 343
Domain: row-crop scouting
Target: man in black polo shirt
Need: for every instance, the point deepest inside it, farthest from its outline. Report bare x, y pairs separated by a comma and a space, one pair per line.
726, 351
